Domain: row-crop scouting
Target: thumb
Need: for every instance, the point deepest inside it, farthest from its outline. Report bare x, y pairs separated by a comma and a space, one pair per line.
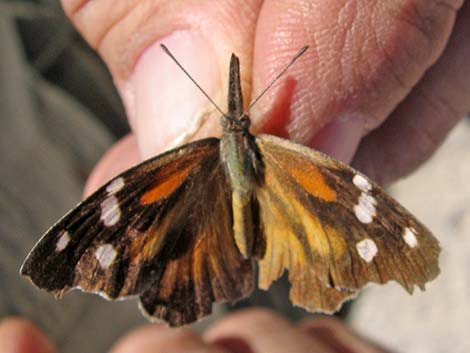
163, 106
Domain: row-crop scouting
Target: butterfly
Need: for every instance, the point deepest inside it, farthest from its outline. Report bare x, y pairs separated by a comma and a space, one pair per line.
186, 229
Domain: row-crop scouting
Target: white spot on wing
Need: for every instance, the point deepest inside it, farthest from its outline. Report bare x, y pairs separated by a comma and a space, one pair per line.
410, 237
367, 249
362, 183
63, 241
365, 209
105, 254
115, 186
110, 212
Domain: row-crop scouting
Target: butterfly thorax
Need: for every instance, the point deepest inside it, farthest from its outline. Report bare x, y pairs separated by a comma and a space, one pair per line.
242, 164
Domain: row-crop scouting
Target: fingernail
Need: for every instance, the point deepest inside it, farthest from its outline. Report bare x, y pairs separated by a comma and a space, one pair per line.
165, 103
340, 138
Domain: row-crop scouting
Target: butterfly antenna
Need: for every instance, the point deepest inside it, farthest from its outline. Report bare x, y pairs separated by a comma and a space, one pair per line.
167, 51
294, 59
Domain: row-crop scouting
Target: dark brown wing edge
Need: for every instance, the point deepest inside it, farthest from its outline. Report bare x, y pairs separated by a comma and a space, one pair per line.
177, 283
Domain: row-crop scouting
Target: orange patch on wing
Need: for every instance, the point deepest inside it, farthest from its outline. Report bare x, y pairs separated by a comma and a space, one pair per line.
165, 187
312, 180
299, 165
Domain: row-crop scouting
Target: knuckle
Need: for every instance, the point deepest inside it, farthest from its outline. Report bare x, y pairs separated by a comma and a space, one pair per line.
431, 21
152, 337
260, 315
72, 6
409, 37
96, 19
248, 323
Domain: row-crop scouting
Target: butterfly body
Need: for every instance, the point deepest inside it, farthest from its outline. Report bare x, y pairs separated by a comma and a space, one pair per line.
184, 229
242, 164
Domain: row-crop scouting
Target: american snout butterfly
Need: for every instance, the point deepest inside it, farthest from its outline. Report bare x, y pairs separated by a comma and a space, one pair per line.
185, 229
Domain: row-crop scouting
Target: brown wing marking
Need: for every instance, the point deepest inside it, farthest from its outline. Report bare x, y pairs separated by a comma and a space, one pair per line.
306, 230
58, 269
204, 265
294, 241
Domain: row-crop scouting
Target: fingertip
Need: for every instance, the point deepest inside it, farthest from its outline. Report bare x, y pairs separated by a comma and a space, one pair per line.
19, 335
241, 321
338, 336
229, 333
320, 323
156, 338
141, 338
259, 330
340, 138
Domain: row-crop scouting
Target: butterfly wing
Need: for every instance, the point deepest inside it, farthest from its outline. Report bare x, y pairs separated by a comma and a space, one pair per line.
334, 229
213, 269
162, 230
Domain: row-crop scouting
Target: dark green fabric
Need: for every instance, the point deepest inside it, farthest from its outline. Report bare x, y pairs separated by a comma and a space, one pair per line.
58, 114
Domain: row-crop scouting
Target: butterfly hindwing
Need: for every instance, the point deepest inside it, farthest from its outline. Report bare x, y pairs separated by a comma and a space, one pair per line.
149, 232
334, 229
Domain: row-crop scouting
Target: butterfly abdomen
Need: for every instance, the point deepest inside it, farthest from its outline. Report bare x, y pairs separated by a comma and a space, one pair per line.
242, 169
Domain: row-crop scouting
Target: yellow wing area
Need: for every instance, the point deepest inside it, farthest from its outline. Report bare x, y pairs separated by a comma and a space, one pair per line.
297, 241
306, 210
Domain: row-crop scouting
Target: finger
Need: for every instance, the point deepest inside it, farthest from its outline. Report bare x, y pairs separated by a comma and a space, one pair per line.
338, 336
364, 58
21, 336
260, 331
161, 339
120, 157
164, 107
421, 123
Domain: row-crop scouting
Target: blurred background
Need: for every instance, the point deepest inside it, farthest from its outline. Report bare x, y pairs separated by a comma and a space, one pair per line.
59, 112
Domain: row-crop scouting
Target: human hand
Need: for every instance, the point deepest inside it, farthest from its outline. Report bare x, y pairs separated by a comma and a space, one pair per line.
375, 88
250, 331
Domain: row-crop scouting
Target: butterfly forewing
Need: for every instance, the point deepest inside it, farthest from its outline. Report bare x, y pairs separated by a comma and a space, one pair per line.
324, 221
144, 227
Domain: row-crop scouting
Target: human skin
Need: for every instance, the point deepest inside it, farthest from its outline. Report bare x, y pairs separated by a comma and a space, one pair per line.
381, 86
248, 331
